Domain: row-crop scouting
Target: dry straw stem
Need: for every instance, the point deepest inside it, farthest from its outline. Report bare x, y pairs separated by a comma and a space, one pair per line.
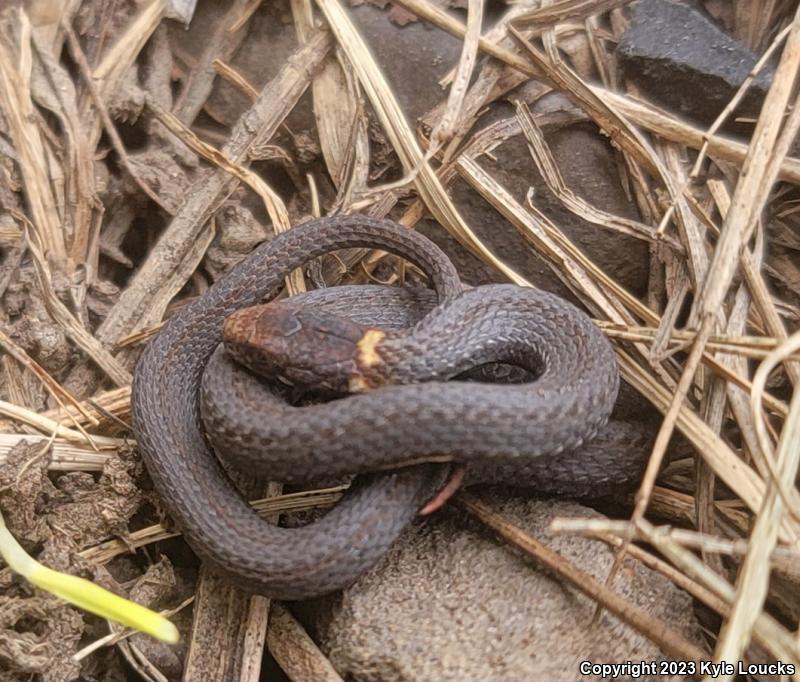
781, 354
48, 426
577, 272
16, 104
758, 175
482, 142
696, 577
764, 304
545, 18
753, 347
674, 129
119, 58
668, 640
338, 110
751, 425
491, 83
656, 564
402, 137
627, 137
176, 255
229, 627
446, 126
784, 559
108, 124
226, 36
752, 21
72, 160
731, 515
63, 456
56, 390
295, 652
235, 78
745, 482
108, 408
257, 620
129, 44
71, 326
753, 580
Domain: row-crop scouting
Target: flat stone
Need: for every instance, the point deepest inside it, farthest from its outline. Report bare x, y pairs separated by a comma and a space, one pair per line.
449, 602
683, 61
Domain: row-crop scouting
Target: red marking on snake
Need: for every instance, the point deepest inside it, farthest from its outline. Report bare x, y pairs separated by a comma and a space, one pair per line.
447, 491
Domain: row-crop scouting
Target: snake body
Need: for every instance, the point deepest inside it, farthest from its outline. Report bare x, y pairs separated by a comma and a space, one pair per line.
551, 433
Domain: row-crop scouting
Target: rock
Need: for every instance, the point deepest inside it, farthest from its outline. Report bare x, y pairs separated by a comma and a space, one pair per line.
413, 58
450, 603
587, 162
686, 63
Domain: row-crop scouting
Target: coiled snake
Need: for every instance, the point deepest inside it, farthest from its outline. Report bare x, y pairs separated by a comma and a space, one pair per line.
407, 346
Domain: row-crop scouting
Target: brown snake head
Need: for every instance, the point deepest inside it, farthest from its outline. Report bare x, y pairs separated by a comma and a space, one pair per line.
279, 340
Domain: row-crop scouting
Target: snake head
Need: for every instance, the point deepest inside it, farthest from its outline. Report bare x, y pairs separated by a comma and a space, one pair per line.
304, 347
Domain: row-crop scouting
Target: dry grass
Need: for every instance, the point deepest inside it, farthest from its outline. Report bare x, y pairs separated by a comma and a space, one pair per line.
708, 203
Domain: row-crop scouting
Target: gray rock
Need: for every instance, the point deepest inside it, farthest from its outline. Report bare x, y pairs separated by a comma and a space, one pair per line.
587, 162
685, 62
413, 57
450, 603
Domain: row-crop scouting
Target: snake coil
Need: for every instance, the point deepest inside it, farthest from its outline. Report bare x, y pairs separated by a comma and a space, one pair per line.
550, 433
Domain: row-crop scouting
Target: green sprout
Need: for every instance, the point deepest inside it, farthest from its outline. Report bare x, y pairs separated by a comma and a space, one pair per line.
83, 593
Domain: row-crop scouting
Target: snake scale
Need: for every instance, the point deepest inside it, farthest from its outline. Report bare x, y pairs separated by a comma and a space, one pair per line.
551, 433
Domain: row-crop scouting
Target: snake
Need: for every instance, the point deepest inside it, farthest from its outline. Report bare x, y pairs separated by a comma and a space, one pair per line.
398, 383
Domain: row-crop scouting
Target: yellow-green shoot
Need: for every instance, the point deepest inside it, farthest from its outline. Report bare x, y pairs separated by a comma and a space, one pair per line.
83, 593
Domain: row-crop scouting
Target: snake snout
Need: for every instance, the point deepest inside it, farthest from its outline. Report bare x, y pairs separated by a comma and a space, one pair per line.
298, 345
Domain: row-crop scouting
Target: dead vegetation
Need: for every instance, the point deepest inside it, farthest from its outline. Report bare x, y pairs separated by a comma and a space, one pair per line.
127, 186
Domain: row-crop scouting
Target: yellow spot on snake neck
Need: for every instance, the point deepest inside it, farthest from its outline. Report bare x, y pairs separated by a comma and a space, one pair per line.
367, 356
367, 348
